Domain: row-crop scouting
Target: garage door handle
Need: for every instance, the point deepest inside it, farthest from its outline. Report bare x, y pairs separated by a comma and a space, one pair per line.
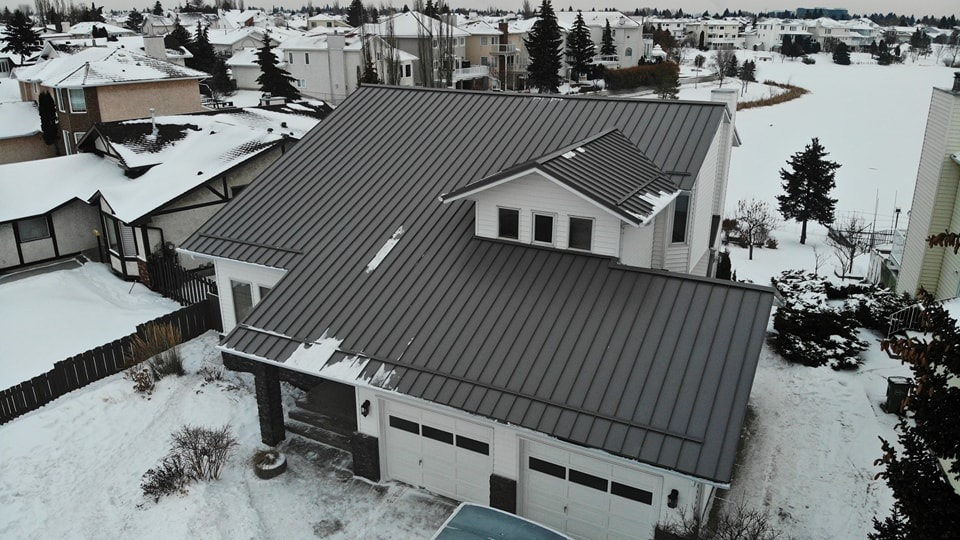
564, 509
420, 463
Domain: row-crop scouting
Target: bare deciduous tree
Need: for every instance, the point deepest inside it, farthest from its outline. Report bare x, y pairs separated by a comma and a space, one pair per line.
848, 238
755, 222
734, 522
721, 61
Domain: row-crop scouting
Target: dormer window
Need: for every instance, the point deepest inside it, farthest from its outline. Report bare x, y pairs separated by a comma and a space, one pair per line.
581, 233
542, 228
508, 223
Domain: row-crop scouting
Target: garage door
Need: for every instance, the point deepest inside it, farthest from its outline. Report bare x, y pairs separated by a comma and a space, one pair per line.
439, 453
587, 497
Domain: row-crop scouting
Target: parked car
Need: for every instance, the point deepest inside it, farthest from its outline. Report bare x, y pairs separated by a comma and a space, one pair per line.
475, 522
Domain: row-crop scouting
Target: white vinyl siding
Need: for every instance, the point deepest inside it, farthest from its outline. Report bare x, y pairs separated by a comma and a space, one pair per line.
259, 277
533, 193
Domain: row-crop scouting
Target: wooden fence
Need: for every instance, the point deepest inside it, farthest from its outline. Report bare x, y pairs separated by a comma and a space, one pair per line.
167, 277
80, 370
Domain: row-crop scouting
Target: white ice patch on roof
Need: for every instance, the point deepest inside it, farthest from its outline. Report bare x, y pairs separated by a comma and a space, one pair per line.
570, 155
385, 250
346, 370
659, 201
581, 149
312, 357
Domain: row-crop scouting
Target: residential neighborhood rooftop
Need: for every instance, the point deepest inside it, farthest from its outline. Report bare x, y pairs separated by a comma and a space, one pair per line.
97, 66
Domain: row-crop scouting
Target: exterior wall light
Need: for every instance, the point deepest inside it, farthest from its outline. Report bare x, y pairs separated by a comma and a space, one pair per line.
365, 408
673, 498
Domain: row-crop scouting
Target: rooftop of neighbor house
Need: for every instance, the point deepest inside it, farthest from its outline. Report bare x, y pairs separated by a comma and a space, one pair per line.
598, 19
134, 43
352, 42
645, 364
413, 24
100, 66
185, 152
83, 28
18, 119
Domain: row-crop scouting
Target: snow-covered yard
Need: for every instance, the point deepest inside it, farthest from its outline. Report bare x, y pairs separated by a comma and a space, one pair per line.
73, 468
48, 317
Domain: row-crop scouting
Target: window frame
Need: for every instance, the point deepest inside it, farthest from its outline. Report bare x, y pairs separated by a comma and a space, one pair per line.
233, 299
61, 101
686, 219
306, 58
47, 226
66, 142
70, 93
516, 211
593, 228
533, 228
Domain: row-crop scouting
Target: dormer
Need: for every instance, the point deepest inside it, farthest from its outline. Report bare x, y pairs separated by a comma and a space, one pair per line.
580, 198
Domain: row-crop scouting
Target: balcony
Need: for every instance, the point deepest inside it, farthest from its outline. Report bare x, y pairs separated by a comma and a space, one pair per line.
503, 48
607, 60
473, 72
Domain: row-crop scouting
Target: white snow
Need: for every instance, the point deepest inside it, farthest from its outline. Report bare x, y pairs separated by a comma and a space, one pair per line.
311, 357
50, 317
18, 119
385, 250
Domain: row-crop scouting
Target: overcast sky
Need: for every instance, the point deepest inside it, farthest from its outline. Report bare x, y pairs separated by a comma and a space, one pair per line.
918, 8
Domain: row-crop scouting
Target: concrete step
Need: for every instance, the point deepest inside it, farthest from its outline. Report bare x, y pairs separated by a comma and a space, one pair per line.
321, 421
318, 434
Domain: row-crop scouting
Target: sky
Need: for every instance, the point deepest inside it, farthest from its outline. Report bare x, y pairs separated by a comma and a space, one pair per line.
923, 7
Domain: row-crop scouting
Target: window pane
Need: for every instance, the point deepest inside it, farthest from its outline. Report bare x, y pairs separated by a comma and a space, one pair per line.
242, 299
437, 434
588, 480
509, 223
632, 493
33, 229
405, 425
77, 102
548, 468
543, 228
473, 445
680, 218
111, 227
581, 233
263, 292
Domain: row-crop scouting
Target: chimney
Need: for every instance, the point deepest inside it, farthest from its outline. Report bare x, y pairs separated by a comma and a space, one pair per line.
153, 121
153, 47
502, 58
337, 67
956, 81
728, 96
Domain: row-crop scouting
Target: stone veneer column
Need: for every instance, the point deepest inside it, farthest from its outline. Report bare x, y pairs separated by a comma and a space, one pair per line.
366, 456
503, 493
269, 405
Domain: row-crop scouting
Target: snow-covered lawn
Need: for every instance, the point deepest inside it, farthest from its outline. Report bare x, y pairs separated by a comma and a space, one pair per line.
72, 469
49, 317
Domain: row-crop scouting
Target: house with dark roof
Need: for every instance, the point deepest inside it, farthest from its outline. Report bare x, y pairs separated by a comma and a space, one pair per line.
501, 298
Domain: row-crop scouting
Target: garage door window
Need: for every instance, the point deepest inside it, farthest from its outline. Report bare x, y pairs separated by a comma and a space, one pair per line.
405, 425
632, 493
588, 480
473, 445
437, 434
548, 468
591, 481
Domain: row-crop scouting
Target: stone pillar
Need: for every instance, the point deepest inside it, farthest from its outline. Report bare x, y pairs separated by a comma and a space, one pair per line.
366, 456
269, 405
503, 493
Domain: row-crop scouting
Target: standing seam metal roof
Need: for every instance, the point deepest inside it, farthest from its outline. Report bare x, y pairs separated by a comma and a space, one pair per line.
648, 365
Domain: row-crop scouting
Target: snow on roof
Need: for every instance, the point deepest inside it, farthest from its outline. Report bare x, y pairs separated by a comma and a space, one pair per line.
134, 43
229, 37
99, 66
244, 57
82, 28
35, 187
597, 18
412, 24
481, 28
9, 90
18, 119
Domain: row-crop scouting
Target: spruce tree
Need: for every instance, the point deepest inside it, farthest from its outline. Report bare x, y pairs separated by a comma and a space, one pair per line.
20, 36
48, 118
807, 188
180, 35
732, 68
134, 21
841, 54
748, 71
666, 80
607, 48
543, 46
926, 505
273, 80
204, 57
355, 14
580, 49
157, 8
220, 83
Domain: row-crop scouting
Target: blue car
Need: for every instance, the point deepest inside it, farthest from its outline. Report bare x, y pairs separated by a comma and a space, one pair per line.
475, 522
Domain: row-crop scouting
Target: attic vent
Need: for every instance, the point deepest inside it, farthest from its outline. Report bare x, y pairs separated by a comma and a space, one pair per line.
570, 155
283, 124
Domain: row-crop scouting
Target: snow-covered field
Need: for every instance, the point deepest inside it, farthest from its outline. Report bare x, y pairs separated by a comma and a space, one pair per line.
49, 317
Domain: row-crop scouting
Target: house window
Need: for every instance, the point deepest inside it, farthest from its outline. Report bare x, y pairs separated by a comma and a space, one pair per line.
484, 61
680, 214
462, 41
290, 56
32, 229
78, 103
66, 141
306, 58
301, 83
77, 135
508, 223
242, 299
543, 228
628, 51
61, 101
483, 40
581, 233
434, 44
407, 69
112, 238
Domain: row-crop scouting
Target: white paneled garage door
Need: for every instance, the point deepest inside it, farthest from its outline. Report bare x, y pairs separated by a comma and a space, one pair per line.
587, 497
445, 455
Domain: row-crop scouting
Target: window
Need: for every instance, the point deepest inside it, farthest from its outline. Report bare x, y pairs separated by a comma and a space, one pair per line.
434, 44
405, 425
543, 228
242, 299
61, 101
484, 61
301, 83
78, 103
407, 70
548, 468
66, 141
632, 493
483, 40
628, 51
473, 445
32, 229
508, 223
581, 233
77, 135
680, 213
588, 480
462, 41
290, 56
110, 227
437, 434
306, 58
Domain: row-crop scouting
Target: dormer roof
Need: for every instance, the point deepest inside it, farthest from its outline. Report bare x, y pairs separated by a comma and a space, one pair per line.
607, 169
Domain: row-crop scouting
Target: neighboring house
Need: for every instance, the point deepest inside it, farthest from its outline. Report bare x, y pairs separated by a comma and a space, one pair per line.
935, 207
432, 41
627, 35
7, 62
84, 30
103, 84
329, 66
857, 34
470, 283
20, 138
228, 42
140, 185
153, 46
676, 27
716, 33
322, 20
770, 32
156, 25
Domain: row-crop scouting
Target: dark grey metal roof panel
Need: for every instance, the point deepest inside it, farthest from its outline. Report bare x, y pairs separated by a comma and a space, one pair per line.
569, 344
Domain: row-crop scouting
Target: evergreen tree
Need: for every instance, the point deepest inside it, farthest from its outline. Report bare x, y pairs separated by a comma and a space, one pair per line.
98, 32
48, 118
220, 83
925, 504
841, 54
732, 68
607, 48
20, 36
580, 49
369, 75
157, 8
204, 57
543, 45
884, 56
748, 71
134, 21
807, 188
180, 35
666, 80
273, 80
355, 13
6, 16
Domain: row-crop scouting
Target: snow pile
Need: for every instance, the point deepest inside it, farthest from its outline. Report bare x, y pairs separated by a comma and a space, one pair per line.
50, 317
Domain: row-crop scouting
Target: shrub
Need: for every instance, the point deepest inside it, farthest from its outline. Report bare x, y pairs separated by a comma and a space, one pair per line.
632, 77
204, 451
166, 479
809, 60
211, 373
156, 338
817, 336
143, 380
731, 523
792, 93
772, 243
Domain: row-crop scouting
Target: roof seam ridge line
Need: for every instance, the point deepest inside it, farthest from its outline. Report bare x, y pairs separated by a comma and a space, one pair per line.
636, 190
252, 244
549, 402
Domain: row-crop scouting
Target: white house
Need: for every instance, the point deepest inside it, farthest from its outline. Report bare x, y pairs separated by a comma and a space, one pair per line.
716, 33
437, 42
479, 307
322, 20
857, 34
627, 34
770, 32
